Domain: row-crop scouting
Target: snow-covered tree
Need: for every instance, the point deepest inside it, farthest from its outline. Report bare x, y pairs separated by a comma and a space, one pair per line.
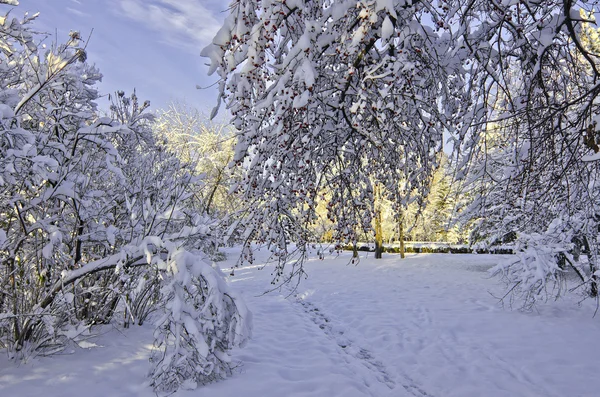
535, 178
435, 219
95, 215
342, 95
336, 97
194, 138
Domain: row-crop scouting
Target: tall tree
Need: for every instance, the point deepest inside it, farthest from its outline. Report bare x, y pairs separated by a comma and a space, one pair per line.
329, 95
340, 94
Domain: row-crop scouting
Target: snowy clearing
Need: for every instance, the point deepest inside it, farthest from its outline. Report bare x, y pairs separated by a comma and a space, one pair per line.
424, 326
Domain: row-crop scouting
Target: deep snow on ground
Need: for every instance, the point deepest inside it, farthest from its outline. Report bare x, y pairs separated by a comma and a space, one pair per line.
428, 325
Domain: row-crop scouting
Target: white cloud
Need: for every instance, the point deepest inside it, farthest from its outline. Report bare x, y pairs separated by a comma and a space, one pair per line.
185, 24
77, 12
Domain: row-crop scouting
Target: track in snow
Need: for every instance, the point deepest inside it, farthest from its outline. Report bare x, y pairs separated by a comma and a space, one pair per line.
355, 351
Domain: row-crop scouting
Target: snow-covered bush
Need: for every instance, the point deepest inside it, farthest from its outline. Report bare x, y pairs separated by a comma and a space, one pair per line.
540, 268
202, 320
533, 273
91, 207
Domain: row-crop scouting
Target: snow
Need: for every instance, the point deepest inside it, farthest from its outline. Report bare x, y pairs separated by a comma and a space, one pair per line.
591, 157
428, 325
387, 29
6, 111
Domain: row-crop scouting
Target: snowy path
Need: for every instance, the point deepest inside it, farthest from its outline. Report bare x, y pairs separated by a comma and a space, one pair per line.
423, 327
432, 321
355, 352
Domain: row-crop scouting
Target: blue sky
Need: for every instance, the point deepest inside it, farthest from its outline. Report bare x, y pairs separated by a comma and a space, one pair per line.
150, 45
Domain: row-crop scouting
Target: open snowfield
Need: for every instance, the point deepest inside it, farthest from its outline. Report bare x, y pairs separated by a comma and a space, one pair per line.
424, 326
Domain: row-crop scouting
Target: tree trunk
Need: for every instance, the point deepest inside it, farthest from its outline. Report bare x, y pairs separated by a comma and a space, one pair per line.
214, 190
401, 234
378, 231
593, 267
595, 280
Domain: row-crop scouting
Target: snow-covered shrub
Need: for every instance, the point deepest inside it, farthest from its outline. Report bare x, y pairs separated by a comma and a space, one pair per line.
90, 208
52, 148
533, 270
202, 320
542, 262
532, 170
